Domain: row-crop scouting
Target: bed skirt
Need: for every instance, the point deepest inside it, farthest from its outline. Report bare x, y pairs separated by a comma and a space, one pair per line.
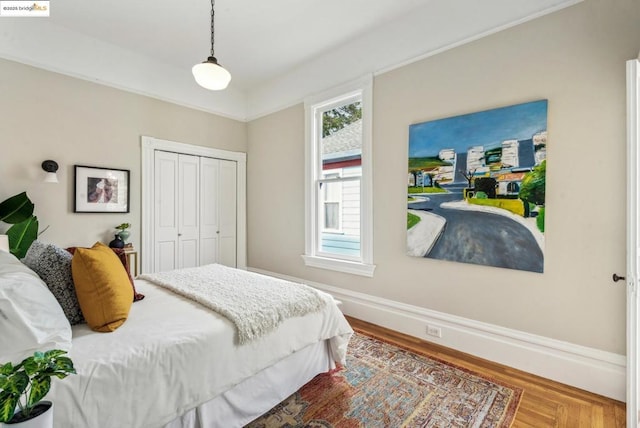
260, 393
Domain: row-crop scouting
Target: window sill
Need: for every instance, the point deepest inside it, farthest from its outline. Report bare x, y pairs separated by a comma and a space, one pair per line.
346, 266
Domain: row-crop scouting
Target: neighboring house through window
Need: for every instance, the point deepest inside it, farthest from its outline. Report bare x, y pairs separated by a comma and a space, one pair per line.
339, 232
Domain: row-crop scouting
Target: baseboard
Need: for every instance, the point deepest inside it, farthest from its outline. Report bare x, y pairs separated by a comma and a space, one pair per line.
586, 368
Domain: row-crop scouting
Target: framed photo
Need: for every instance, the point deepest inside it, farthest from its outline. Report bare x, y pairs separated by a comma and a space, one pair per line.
101, 190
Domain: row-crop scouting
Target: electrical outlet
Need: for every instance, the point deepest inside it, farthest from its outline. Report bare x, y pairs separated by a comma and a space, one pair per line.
434, 331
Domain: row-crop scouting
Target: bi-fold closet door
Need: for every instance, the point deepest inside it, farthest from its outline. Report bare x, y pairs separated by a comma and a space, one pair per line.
195, 213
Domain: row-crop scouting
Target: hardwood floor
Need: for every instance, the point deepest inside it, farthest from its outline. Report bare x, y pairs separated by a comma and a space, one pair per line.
545, 403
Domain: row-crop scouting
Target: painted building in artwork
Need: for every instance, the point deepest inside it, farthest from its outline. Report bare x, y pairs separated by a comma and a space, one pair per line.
411, 180
447, 155
418, 179
540, 146
509, 183
519, 158
445, 173
510, 154
475, 158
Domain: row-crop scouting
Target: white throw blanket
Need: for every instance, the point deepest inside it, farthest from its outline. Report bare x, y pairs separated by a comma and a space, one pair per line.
255, 303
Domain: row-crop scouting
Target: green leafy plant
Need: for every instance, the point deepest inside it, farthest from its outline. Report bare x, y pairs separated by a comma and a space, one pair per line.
18, 211
540, 220
533, 185
25, 384
123, 226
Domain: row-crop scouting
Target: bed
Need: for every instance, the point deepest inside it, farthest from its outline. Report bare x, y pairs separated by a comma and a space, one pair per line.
174, 363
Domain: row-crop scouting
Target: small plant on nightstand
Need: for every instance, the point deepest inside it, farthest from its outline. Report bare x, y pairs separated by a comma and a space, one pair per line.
124, 233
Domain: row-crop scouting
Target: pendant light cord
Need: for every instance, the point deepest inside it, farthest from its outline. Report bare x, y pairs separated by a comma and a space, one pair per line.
212, 28
209, 74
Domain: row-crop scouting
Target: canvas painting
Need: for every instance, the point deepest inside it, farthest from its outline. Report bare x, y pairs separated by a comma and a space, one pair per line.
476, 187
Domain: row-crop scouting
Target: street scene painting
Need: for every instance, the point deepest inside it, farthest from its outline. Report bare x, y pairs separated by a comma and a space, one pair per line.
476, 187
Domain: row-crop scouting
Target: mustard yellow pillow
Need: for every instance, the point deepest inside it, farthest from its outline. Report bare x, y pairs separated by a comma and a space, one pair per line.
102, 286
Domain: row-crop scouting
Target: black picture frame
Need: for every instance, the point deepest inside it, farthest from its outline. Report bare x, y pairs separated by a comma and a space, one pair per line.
100, 189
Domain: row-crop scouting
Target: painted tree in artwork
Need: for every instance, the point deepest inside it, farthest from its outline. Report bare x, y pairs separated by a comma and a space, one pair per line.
533, 185
487, 185
533, 191
469, 176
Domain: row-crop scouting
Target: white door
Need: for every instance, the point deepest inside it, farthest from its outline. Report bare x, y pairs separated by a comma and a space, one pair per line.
188, 211
165, 214
221, 216
218, 213
176, 215
209, 218
633, 241
227, 202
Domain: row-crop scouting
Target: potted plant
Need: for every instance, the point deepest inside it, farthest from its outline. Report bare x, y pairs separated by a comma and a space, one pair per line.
18, 211
124, 233
25, 384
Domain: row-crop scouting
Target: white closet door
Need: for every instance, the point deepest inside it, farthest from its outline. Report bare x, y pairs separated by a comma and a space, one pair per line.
209, 218
228, 212
188, 211
166, 211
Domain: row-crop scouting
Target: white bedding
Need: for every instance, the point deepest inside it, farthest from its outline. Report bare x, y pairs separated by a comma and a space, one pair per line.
255, 303
171, 355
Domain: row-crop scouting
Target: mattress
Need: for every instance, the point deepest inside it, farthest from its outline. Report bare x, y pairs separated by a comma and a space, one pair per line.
173, 355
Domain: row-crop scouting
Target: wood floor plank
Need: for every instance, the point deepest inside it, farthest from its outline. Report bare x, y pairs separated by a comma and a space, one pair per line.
544, 403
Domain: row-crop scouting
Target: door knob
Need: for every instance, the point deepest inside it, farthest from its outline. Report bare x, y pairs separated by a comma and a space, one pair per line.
617, 278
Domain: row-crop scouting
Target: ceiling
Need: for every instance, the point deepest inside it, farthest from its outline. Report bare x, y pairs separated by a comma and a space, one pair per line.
277, 51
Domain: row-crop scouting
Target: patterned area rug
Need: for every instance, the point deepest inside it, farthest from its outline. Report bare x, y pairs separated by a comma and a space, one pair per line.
384, 385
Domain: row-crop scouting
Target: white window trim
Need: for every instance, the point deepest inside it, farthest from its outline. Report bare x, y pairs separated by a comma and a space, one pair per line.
365, 266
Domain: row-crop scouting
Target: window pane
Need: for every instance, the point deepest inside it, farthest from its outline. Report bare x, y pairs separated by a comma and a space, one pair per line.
339, 206
341, 142
331, 215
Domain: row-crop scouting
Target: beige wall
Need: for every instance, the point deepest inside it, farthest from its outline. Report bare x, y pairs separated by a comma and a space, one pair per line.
45, 115
574, 58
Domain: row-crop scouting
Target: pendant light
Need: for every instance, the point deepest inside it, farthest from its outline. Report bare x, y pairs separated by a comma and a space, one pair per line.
209, 74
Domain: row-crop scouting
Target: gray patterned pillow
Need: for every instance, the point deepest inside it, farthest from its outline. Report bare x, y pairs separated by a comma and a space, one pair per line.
53, 265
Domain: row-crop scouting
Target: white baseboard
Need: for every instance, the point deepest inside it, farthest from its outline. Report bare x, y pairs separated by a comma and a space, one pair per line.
586, 368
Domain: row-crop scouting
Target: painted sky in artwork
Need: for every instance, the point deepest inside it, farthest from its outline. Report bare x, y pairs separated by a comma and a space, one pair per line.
486, 128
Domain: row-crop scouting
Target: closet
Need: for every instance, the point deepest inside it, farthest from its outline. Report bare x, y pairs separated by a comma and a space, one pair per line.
193, 206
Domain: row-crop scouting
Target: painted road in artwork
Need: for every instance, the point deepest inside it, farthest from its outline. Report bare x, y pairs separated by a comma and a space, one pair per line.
476, 187
470, 237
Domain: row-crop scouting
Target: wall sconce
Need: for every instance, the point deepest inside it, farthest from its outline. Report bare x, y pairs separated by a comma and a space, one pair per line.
50, 167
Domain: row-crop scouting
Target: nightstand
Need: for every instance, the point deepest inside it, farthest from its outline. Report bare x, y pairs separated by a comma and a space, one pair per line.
132, 257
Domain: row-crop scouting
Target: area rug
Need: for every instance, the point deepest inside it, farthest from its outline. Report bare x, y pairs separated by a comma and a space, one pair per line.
384, 385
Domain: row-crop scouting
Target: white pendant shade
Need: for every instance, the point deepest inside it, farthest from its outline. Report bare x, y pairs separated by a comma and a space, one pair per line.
211, 76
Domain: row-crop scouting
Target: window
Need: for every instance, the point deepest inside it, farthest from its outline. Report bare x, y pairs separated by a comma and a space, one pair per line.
332, 204
338, 180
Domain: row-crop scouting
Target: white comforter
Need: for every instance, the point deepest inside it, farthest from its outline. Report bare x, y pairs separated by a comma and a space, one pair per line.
171, 355
256, 304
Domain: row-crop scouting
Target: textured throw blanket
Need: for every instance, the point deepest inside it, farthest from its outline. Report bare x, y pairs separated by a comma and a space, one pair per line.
255, 303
